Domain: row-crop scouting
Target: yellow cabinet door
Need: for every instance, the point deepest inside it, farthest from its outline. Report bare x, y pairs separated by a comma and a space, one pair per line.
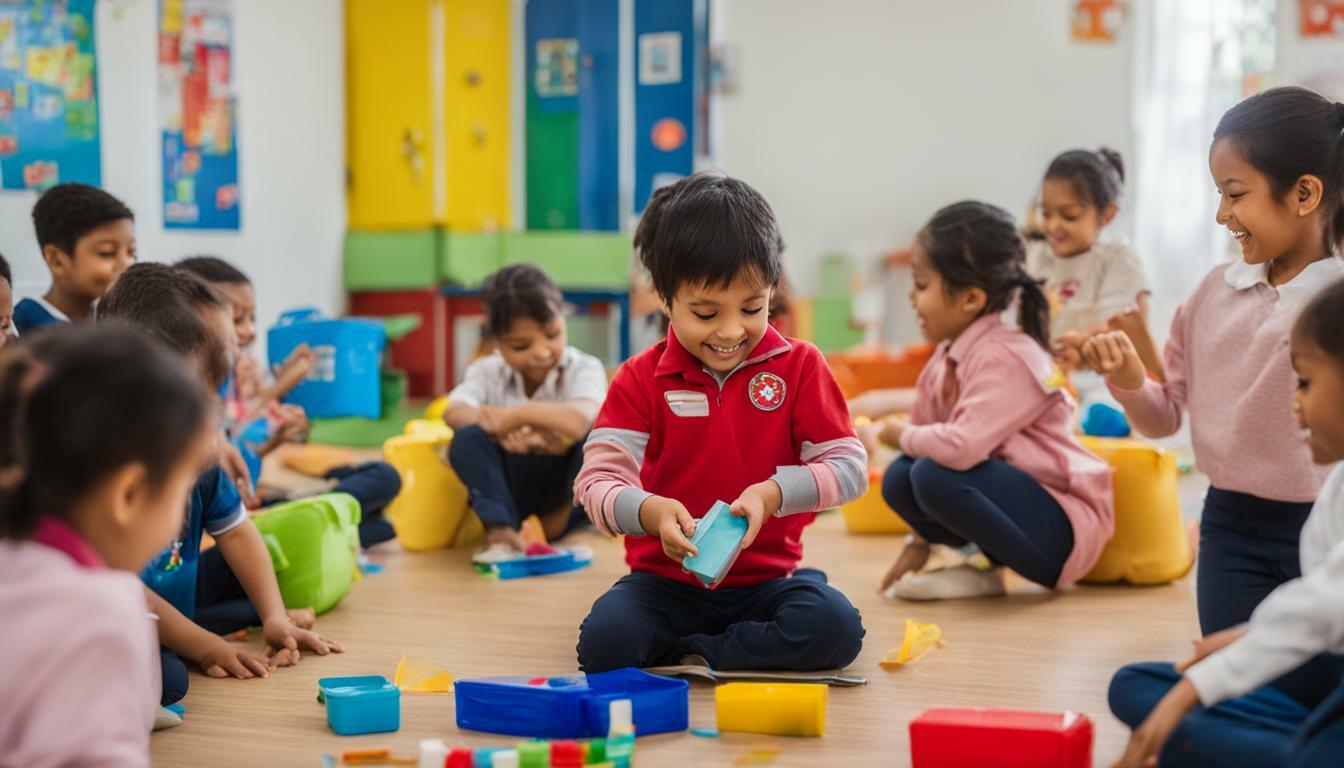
389, 125
476, 114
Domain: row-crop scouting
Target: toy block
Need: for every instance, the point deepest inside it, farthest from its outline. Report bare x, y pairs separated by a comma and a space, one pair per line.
779, 709
366, 704
718, 541
1000, 738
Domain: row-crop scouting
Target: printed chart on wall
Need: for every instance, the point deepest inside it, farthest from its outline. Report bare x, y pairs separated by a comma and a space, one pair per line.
48, 94
198, 114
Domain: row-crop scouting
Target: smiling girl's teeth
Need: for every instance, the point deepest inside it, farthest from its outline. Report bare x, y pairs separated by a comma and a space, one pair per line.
725, 350
1239, 234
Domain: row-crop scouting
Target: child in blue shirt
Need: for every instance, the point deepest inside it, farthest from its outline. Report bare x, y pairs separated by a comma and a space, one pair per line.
87, 239
197, 322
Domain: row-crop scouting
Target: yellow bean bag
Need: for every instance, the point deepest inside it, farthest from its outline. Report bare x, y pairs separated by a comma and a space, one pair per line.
432, 510
869, 514
1149, 546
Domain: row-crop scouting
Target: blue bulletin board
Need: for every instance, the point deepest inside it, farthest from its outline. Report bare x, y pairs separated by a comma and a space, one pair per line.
198, 115
48, 94
670, 37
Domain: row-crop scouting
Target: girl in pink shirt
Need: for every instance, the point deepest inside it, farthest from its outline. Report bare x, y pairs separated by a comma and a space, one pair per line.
990, 457
89, 490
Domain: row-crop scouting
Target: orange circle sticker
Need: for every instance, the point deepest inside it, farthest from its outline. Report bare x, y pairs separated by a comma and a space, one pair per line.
668, 134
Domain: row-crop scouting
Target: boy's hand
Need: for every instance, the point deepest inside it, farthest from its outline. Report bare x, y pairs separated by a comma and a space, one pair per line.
299, 362
669, 520
756, 503
870, 435
284, 640
294, 424
1210, 644
224, 660
1151, 736
1113, 355
494, 420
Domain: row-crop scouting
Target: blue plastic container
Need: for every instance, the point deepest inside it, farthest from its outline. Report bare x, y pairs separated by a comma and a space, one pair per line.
718, 542
570, 706
1101, 420
542, 565
345, 379
365, 704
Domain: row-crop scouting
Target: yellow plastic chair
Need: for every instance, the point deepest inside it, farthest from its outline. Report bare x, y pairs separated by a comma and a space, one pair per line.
432, 510
1149, 546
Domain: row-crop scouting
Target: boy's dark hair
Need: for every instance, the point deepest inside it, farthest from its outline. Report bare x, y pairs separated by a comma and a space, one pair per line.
1287, 133
1097, 177
708, 229
519, 291
67, 212
976, 245
1320, 321
213, 269
167, 302
77, 404
5, 274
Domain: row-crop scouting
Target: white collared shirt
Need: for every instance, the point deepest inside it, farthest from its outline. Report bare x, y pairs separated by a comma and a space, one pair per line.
490, 381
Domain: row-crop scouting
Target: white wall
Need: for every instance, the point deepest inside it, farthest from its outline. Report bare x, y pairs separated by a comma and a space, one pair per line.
290, 74
858, 119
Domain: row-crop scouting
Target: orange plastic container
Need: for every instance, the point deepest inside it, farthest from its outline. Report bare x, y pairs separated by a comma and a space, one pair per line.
867, 368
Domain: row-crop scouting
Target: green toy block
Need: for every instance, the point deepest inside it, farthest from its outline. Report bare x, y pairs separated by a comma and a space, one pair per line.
314, 546
380, 261
467, 258
832, 324
574, 259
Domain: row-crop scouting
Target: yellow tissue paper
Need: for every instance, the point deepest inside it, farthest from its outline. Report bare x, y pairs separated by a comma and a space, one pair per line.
421, 676
919, 639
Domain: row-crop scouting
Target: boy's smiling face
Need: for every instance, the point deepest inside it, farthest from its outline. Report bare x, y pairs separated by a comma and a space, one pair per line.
100, 256
721, 325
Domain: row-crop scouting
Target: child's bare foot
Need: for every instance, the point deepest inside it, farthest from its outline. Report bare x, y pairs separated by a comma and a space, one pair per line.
1132, 323
912, 558
303, 618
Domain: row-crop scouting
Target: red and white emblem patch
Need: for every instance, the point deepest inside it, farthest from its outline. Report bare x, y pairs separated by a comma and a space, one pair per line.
766, 391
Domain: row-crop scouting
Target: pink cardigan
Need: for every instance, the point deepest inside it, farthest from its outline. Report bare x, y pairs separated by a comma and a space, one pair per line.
992, 394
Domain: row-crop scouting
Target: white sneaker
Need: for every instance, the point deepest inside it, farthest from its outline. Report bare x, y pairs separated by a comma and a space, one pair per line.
166, 718
495, 553
954, 583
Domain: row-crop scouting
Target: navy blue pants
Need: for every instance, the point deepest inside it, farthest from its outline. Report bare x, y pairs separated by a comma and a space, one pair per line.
174, 674
796, 623
1261, 729
505, 488
995, 506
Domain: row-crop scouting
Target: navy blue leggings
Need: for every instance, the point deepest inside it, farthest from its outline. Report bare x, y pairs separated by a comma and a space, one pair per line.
506, 488
1261, 729
995, 506
796, 623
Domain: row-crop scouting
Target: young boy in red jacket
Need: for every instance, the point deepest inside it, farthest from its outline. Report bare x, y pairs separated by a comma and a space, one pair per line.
724, 409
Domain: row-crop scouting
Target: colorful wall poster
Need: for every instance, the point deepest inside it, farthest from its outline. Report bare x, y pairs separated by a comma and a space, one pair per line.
1321, 18
1096, 21
198, 114
48, 94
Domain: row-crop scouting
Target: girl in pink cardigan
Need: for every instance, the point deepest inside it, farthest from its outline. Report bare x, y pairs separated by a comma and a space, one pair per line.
989, 455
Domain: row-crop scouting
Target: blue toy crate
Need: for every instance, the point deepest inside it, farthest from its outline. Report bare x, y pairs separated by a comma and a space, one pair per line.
571, 706
564, 561
364, 704
718, 542
346, 378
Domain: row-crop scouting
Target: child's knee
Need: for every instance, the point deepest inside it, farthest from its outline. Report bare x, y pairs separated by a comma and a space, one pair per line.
896, 487
173, 676
837, 629
608, 641
1136, 688
387, 477
467, 444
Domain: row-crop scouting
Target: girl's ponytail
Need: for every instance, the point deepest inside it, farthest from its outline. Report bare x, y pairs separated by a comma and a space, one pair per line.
1033, 309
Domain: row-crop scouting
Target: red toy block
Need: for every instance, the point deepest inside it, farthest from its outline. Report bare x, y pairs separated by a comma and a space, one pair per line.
1000, 738
422, 354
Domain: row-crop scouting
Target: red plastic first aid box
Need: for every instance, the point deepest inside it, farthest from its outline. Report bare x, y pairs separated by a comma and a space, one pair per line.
1000, 738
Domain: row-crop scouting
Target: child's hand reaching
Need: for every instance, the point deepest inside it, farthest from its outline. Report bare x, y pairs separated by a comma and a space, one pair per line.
224, 660
669, 520
756, 503
1113, 354
285, 639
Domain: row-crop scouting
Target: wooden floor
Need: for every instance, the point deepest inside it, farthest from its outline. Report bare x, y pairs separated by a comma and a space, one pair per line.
1037, 651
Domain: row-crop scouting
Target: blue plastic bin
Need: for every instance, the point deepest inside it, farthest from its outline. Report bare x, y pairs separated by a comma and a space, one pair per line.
365, 704
563, 561
345, 379
570, 706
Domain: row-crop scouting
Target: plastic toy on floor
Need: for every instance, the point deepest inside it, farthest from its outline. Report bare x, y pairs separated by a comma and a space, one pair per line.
919, 640
1149, 545
421, 676
570, 706
1000, 738
431, 511
869, 514
365, 704
697, 667
779, 709
1102, 420
718, 541
538, 560
314, 546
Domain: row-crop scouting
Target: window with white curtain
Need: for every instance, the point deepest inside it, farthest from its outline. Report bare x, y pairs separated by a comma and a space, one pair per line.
1193, 60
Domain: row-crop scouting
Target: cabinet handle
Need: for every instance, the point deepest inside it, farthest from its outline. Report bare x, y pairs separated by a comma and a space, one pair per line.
413, 151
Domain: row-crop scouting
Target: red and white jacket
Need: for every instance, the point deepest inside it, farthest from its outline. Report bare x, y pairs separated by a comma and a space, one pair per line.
670, 428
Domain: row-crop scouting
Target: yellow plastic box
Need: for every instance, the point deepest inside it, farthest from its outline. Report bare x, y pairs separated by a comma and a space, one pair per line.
1149, 546
432, 510
778, 709
869, 514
